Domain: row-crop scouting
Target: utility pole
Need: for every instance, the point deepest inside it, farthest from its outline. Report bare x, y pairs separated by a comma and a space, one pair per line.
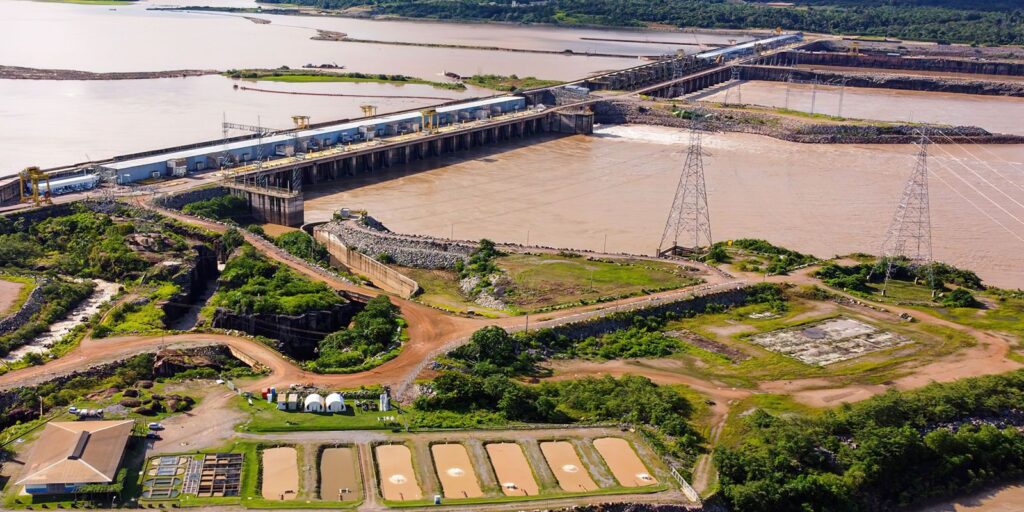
689, 221
910, 233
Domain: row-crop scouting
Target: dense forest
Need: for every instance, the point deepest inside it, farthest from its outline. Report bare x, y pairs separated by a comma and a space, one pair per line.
888, 453
965, 21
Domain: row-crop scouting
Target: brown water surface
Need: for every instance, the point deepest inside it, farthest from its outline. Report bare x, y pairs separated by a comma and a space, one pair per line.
627, 467
397, 477
512, 469
280, 473
565, 463
455, 471
339, 479
618, 186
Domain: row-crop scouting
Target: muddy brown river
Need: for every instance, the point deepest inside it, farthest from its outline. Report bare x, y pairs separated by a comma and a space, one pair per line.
615, 189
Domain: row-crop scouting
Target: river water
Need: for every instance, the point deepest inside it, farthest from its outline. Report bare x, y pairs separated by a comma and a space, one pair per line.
52, 123
576, 191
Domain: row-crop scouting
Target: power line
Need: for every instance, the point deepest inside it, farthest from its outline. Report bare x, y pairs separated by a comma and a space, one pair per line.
982, 178
689, 216
910, 234
1008, 180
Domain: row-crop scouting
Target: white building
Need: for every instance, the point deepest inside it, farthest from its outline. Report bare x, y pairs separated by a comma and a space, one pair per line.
313, 403
335, 402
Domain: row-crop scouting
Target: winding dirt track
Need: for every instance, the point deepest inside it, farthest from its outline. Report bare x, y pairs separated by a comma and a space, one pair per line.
432, 332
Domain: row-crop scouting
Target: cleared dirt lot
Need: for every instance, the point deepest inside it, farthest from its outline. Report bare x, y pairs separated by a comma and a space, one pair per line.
8, 294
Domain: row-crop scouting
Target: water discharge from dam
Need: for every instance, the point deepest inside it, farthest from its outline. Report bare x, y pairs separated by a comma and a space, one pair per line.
617, 186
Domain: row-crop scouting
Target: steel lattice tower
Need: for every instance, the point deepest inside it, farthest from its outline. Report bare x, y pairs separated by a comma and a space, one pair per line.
910, 234
689, 224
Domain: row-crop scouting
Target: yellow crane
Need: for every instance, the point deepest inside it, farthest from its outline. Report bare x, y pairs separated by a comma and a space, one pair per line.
428, 119
301, 122
34, 176
369, 110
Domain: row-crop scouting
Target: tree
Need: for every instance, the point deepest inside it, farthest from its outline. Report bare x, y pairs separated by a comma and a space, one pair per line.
231, 240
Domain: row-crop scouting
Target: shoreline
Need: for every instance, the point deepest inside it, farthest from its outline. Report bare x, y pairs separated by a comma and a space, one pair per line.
792, 128
313, 12
325, 35
23, 73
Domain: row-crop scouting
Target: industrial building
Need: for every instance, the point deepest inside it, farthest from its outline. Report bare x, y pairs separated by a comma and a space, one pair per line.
750, 47
69, 455
179, 163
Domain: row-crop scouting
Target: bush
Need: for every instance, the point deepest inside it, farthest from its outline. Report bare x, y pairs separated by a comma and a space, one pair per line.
960, 298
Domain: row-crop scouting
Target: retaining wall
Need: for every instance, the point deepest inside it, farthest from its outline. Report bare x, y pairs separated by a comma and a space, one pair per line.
31, 306
380, 274
295, 335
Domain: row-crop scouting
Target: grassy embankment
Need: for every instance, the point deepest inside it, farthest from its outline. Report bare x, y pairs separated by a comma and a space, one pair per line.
315, 76
508, 83
550, 281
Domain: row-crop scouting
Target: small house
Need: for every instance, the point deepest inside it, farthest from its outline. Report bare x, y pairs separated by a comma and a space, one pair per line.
313, 403
335, 402
282, 402
293, 401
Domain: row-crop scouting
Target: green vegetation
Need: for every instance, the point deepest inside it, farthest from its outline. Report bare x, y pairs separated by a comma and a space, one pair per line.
967, 21
265, 417
59, 297
531, 283
131, 318
251, 283
755, 255
83, 244
286, 74
861, 276
374, 337
301, 245
543, 282
227, 207
508, 83
888, 453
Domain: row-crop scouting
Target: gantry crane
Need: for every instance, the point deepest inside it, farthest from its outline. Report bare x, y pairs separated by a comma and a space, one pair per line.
33, 176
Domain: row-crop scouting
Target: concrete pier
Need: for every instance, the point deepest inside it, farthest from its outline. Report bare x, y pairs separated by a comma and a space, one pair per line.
272, 204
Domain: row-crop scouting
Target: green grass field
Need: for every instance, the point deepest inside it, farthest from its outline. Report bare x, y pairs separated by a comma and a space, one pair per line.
315, 77
508, 83
541, 282
763, 365
265, 417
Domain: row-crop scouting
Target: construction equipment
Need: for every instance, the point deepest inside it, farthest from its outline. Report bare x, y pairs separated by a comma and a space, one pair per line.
33, 176
301, 122
428, 120
854, 48
369, 110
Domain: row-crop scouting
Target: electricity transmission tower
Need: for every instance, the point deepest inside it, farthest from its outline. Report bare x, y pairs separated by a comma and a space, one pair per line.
689, 224
910, 234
